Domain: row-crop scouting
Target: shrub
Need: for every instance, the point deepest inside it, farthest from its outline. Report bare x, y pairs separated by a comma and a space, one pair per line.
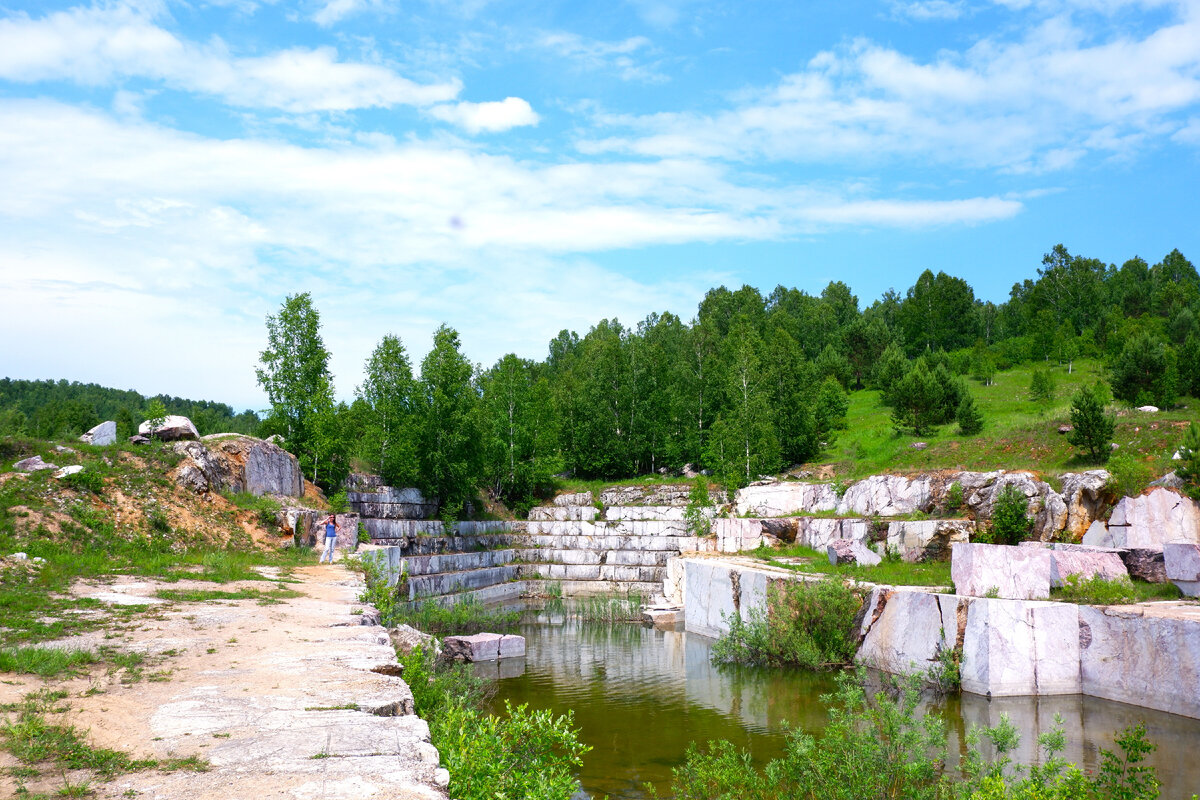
1127, 475
85, 481
338, 503
954, 497
1041, 387
809, 624
1189, 463
696, 515
1097, 590
1011, 522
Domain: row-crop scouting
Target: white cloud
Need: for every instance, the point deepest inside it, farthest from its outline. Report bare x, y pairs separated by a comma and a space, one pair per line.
335, 11
105, 45
1020, 105
118, 230
490, 117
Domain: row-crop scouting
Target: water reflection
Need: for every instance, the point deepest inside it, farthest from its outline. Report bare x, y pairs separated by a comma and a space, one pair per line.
642, 696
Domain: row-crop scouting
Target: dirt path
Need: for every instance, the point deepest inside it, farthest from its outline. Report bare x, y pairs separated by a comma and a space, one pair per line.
281, 699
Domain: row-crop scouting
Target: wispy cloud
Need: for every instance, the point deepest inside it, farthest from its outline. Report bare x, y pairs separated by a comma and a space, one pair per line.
1035, 104
625, 57
928, 9
108, 44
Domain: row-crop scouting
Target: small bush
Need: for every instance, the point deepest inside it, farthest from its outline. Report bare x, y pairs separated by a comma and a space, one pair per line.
809, 624
1011, 523
338, 503
697, 515
954, 497
1127, 475
85, 481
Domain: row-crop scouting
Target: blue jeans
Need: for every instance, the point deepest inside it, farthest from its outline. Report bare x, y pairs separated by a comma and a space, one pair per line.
330, 543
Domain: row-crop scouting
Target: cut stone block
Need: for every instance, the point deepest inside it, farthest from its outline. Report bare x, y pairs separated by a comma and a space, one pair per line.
479, 647
993, 570
662, 617
904, 631
512, 646
1182, 562
1105, 564
1013, 647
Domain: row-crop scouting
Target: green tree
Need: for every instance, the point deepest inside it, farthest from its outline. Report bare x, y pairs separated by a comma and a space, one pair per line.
1189, 461
983, 364
518, 431
831, 408
156, 415
1146, 372
294, 372
917, 400
832, 364
968, 416
1041, 387
450, 454
1092, 427
391, 425
1011, 523
698, 514
890, 369
938, 314
744, 442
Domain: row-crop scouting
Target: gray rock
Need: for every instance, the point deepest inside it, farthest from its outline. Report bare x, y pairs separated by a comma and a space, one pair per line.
33, 464
1145, 564
239, 464
71, 470
1083, 493
173, 428
137, 438
1182, 561
887, 496
406, 638
918, 445
780, 499
851, 551
1015, 573
1046, 506
927, 540
103, 434
1169, 481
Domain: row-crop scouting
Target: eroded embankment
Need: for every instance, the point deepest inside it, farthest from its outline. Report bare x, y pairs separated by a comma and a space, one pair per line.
282, 700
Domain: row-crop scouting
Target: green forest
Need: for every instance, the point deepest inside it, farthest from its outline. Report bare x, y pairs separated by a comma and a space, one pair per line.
751, 385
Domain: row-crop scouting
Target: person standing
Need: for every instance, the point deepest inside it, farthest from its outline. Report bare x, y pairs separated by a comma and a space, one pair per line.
330, 539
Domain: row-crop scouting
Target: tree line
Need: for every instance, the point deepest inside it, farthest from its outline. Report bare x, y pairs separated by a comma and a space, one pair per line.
63, 409
751, 384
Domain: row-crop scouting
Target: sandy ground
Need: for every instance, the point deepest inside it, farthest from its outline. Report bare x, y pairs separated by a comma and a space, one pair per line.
260, 691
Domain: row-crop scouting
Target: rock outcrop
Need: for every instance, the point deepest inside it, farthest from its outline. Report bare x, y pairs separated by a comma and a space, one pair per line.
1046, 506
173, 428
1084, 494
927, 540
239, 464
776, 499
886, 496
33, 464
103, 434
851, 551
1149, 522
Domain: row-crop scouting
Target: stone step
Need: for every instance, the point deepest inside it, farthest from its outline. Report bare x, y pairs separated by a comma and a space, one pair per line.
450, 582
496, 594
592, 572
459, 562
634, 558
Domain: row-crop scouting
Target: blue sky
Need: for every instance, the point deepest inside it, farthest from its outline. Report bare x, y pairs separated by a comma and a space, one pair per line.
171, 170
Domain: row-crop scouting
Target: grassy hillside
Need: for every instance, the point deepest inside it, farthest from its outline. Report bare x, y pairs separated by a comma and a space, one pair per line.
1017, 434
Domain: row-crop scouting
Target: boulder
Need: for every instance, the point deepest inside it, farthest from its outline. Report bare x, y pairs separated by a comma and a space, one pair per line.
851, 551
275, 439
1148, 409
887, 496
777, 499
1145, 564
512, 646
1149, 521
58, 448
994, 570
33, 464
406, 638
1065, 429
71, 470
238, 464
927, 540
1169, 481
173, 428
1083, 493
137, 438
1182, 561
103, 434
662, 617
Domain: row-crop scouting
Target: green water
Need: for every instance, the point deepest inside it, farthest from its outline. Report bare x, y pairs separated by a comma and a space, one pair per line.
641, 696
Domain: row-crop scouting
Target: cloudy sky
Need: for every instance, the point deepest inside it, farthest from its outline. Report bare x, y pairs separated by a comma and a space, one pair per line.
169, 171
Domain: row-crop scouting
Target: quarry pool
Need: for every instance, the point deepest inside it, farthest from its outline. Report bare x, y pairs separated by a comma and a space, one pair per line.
641, 696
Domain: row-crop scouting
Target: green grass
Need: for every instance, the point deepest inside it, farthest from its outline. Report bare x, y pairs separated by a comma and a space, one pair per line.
205, 595
1017, 433
463, 618
609, 608
890, 572
47, 662
1098, 591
